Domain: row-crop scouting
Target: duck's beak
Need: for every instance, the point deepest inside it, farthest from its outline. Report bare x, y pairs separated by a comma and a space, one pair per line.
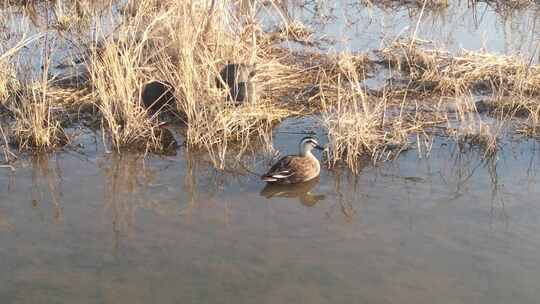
318, 147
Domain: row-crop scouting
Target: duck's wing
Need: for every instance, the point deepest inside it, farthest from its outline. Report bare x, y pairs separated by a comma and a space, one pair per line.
280, 170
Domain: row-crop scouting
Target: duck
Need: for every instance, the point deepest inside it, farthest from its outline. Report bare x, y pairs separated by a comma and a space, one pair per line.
293, 169
239, 79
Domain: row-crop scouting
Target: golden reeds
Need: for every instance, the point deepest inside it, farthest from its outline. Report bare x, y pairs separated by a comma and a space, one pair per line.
187, 43
438, 71
8, 81
36, 126
360, 125
190, 55
116, 80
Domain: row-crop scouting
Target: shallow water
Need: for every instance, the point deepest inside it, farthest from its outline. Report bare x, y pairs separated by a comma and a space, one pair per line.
104, 228
355, 26
344, 25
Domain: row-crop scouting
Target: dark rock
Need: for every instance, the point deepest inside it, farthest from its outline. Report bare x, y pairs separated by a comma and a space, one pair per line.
238, 78
482, 106
158, 96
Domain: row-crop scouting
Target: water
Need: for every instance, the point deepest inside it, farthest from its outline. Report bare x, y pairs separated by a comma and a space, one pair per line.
94, 227
354, 26
105, 228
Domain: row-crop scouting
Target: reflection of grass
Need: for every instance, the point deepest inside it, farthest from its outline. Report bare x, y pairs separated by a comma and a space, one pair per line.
46, 179
5, 224
480, 136
500, 6
131, 185
124, 183
394, 4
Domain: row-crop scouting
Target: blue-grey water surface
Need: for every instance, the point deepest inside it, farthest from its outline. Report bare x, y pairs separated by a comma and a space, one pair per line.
106, 228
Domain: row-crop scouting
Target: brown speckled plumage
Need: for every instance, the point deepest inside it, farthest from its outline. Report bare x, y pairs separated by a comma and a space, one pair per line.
294, 169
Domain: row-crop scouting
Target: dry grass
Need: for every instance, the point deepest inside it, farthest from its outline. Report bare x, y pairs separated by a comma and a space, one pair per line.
116, 79
190, 44
186, 43
513, 83
9, 83
320, 78
8, 79
296, 31
186, 46
36, 127
434, 70
361, 126
503, 7
531, 126
369, 128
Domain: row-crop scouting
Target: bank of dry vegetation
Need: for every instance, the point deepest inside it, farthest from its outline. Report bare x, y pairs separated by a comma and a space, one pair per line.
186, 43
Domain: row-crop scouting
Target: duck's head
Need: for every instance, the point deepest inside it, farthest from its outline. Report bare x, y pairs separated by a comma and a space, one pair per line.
309, 143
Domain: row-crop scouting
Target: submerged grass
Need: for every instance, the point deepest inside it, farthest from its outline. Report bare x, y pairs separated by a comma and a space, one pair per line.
468, 128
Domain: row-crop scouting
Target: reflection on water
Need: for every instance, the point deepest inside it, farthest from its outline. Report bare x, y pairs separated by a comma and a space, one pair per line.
347, 191
46, 184
126, 184
302, 191
128, 229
